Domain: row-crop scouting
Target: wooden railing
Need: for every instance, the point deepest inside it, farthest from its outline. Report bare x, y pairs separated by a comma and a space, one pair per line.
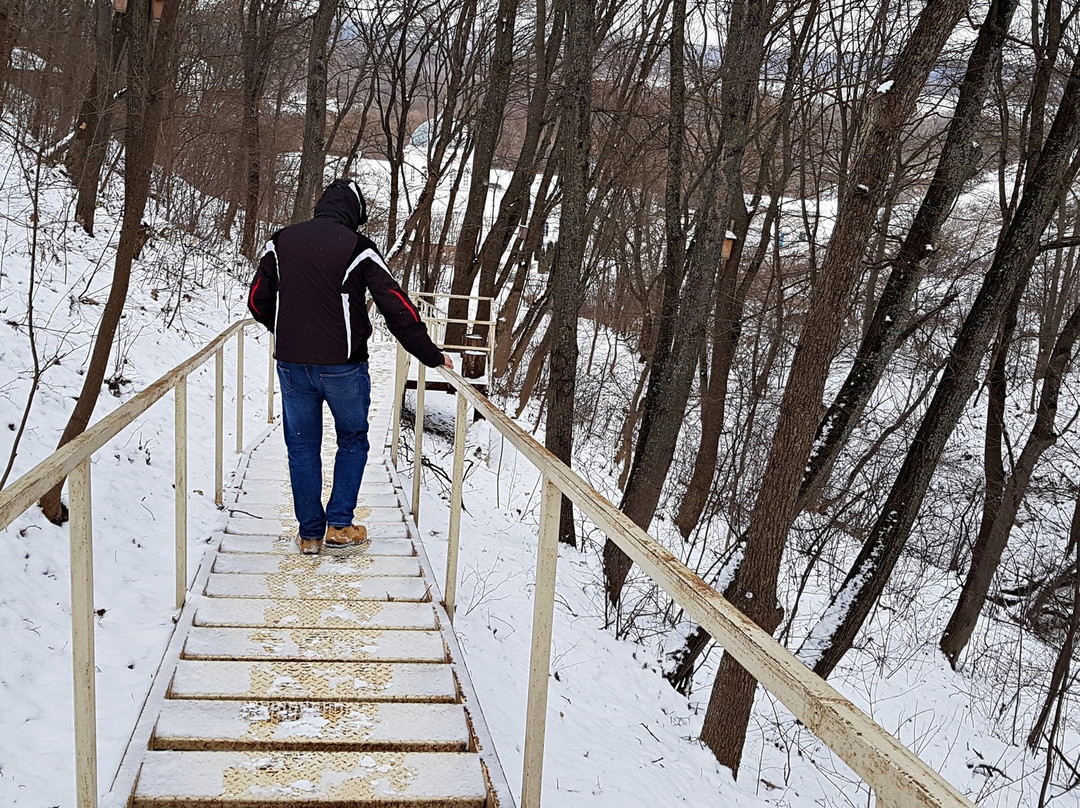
898, 777
73, 462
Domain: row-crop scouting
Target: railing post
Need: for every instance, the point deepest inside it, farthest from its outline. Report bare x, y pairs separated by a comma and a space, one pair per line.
491, 349
180, 484
82, 635
240, 390
270, 385
547, 556
460, 425
418, 439
219, 425
401, 373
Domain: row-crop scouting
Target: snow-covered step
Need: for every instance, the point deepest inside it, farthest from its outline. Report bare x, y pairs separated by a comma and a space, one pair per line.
342, 726
356, 563
278, 545
273, 491
247, 524
313, 681
278, 471
321, 587
267, 505
314, 643
280, 492
256, 612
387, 529
333, 779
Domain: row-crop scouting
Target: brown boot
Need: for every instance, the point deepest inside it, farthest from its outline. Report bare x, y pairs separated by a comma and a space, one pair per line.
343, 540
309, 546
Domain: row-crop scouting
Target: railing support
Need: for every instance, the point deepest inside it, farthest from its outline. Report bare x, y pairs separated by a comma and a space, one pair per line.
418, 440
401, 373
460, 426
547, 556
240, 391
219, 426
270, 384
82, 634
180, 484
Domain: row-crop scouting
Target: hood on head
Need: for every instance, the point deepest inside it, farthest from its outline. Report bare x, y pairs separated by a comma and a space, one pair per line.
343, 201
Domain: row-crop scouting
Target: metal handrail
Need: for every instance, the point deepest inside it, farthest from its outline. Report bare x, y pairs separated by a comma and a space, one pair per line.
898, 777
73, 462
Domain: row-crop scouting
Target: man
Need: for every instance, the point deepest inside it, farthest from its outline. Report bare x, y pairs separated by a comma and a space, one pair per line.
310, 291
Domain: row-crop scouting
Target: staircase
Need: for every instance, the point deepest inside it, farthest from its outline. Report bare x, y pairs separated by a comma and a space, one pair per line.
294, 680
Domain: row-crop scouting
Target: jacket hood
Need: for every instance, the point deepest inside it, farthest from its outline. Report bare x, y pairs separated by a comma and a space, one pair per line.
343, 201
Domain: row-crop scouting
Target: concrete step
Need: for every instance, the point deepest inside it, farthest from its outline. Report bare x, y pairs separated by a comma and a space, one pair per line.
255, 612
376, 545
322, 587
314, 644
327, 725
356, 563
313, 681
333, 779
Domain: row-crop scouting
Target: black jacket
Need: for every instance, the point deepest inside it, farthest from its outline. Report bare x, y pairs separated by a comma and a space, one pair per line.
311, 284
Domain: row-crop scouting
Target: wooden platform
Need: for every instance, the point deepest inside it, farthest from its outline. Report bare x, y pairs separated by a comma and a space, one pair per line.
312, 680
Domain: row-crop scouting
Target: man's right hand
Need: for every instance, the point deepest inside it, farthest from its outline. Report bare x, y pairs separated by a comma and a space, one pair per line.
448, 362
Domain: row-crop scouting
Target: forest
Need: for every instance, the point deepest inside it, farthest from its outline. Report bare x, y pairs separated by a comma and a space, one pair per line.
795, 283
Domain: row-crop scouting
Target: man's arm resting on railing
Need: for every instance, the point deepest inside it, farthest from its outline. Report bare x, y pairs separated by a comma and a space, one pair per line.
401, 315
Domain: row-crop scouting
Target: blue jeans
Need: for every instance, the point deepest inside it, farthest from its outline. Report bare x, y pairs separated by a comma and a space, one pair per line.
347, 389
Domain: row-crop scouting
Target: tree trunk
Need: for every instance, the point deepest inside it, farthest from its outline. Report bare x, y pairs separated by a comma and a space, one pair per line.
492, 111
86, 155
11, 19
151, 75
957, 164
731, 299
1059, 678
258, 32
1053, 172
567, 288
313, 151
992, 540
669, 386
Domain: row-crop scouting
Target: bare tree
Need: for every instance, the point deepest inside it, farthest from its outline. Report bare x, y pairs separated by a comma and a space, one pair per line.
957, 164
1054, 170
567, 286
670, 380
151, 72
753, 589
259, 30
313, 153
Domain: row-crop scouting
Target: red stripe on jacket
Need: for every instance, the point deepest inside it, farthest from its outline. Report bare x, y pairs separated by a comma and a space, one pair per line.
412, 311
251, 296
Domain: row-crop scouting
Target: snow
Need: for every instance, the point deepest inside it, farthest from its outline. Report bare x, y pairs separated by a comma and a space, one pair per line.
885, 86
618, 734
132, 475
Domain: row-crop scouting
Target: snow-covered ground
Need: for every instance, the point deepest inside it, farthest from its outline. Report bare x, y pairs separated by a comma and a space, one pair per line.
132, 475
618, 735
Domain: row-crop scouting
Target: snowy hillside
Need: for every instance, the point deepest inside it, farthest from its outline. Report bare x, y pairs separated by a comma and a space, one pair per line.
618, 735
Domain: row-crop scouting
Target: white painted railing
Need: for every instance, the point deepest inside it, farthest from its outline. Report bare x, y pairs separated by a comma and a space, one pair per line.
898, 777
73, 462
